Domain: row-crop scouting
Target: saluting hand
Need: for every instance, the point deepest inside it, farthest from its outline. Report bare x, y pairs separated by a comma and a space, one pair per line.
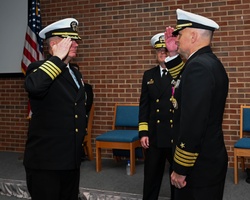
170, 41
61, 49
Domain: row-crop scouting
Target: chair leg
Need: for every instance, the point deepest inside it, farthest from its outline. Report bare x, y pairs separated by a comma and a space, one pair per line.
132, 161
235, 169
90, 152
98, 160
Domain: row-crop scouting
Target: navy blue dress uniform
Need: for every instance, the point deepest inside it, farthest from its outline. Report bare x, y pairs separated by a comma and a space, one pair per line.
199, 150
155, 120
57, 125
58, 122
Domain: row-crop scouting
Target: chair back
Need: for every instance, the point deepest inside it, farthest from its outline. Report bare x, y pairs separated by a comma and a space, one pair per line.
126, 115
244, 120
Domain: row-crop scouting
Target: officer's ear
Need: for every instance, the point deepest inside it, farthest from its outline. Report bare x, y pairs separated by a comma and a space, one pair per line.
53, 41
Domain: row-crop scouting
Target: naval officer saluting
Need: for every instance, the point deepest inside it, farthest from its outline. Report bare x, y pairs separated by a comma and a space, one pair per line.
200, 156
53, 149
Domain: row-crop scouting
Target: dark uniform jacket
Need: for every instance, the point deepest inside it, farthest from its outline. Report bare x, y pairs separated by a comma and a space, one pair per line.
155, 109
200, 151
57, 125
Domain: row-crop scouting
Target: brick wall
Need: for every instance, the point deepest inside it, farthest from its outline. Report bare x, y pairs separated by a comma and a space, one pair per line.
115, 51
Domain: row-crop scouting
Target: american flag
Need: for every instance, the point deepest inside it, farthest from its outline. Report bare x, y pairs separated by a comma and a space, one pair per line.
33, 45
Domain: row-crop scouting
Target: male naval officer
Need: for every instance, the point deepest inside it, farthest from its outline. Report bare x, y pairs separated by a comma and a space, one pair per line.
200, 155
57, 127
155, 115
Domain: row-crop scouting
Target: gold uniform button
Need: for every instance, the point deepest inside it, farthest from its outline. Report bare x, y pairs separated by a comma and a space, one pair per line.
75, 104
158, 121
76, 116
157, 100
172, 141
76, 130
157, 110
171, 121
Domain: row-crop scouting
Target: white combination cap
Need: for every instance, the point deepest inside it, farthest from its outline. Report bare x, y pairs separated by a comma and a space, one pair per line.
187, 19
63, 28
158, 41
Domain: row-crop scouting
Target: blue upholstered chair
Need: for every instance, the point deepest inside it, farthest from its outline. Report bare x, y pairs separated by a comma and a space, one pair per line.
123, 136
242, 146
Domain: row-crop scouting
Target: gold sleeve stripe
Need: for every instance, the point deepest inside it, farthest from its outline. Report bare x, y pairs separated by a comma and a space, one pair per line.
54, 66
185, 158
186, 152
48, 68
176, 70
47, 72
182, 163
51, 69
143, 126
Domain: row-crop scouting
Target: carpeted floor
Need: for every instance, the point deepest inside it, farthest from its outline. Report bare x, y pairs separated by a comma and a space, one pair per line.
111, 183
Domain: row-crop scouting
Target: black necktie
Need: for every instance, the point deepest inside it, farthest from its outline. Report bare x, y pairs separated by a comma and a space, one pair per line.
164, 77
164, 71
